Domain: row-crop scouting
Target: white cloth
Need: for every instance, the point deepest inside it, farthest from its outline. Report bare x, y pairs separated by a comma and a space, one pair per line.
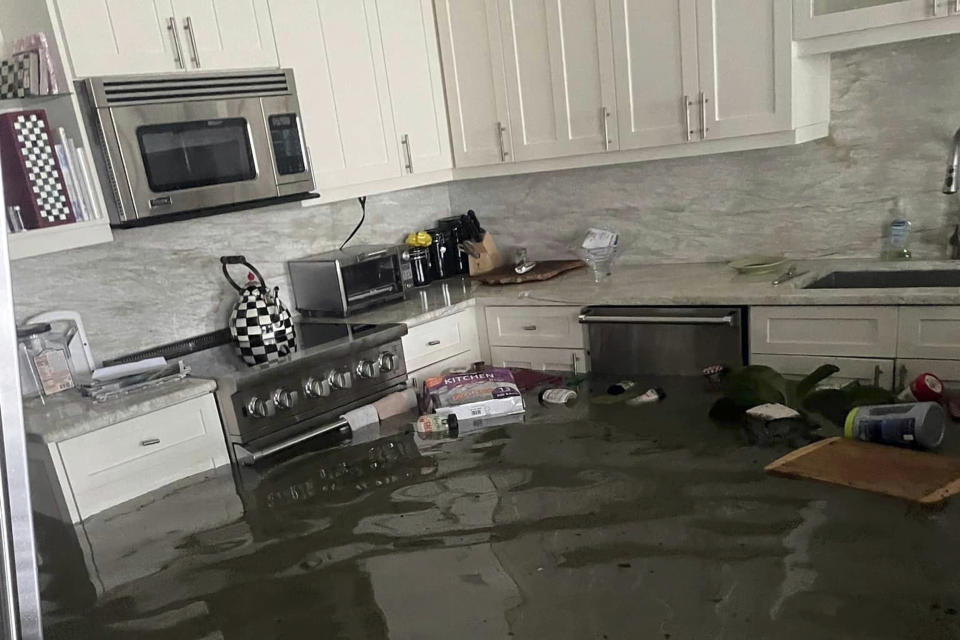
396, 403
362, 417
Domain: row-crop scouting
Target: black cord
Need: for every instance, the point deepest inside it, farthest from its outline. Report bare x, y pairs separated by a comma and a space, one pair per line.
363, 216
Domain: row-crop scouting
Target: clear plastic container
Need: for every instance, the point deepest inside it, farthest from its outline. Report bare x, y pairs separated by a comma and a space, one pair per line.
45, 363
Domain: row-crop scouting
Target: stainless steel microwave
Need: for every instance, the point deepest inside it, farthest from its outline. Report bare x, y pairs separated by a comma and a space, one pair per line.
340, 283
196, 143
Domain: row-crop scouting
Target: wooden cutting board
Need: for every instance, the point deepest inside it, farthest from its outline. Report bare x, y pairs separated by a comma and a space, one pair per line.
544, 270
904, 473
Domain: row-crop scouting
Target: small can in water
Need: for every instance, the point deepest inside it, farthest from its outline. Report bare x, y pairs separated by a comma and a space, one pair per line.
558, 396
651, 395
919, 424
436, 423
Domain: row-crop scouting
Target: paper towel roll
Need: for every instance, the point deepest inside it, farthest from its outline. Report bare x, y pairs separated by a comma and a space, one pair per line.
396, 403
362, 417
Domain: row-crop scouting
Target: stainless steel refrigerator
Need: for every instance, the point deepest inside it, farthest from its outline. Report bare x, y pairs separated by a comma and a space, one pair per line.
19, 593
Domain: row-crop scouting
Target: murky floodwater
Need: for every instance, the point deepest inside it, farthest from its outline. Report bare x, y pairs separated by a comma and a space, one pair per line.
600, 521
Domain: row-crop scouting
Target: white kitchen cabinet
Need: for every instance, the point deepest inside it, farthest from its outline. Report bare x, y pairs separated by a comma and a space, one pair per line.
932, 333
875, 371
226, 34
336, 52
106, 37
826, 331
441, 339
540, 359
533, 326
947, 370
814, 18
122, 461
655, 52
412, 57
473, 74
558, 58
745, 49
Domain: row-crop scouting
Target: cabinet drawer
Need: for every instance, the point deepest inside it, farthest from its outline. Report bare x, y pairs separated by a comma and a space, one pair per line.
829, 331
540, 359
929, 332
879, 371
440, 339
130, 458
535, 327
947, 370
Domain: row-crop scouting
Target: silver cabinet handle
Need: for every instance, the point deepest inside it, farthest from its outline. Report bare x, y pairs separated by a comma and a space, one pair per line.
433, 343
503, 150
686, 116
900, 385
188, 27
605, 115
589, 319
575, 360
172, 27
877, 371
530, 327
408, 158
703, 116
149, 442
956, 6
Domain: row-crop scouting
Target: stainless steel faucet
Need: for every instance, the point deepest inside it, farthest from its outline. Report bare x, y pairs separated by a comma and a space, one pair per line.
953, 168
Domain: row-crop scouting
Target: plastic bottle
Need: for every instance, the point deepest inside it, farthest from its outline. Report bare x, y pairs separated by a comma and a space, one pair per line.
558, 396
919, 424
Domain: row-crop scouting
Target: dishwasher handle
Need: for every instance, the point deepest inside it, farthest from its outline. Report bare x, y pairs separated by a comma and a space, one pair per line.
729, 319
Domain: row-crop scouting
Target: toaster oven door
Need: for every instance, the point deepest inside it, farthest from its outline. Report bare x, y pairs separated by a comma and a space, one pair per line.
184, 156
372, 281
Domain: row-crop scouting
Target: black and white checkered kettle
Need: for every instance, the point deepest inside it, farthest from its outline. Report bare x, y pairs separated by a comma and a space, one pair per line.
260, 325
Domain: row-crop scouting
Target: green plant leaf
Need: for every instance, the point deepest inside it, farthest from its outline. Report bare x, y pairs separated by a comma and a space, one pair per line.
805, 386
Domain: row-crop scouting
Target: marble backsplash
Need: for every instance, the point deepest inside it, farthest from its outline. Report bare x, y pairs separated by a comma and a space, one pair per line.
892, 121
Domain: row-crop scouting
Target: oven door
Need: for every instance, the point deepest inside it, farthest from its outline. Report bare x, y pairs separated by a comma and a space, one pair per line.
372, 280
184, 156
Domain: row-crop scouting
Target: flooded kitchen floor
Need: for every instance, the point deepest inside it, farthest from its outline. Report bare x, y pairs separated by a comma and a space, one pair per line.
599, 521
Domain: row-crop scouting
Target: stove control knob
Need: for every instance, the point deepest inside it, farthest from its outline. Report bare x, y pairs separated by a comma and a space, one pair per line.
257, 407
316, 388
367, 369
388, 361
285, 399
340, 379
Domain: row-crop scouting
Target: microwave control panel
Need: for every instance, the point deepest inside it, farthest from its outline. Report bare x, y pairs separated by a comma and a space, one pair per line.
287, 147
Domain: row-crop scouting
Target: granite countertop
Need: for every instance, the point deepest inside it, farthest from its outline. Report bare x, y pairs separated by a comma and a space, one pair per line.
68, 414
667, 284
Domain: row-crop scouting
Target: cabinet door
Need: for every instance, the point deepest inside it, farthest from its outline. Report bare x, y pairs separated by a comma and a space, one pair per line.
874, 371
540, 359
947, 370
813, 18
655, 49
558, 57
745, 66
412, 56
474, 79
106, 37
334, 49
929, 332
226, 34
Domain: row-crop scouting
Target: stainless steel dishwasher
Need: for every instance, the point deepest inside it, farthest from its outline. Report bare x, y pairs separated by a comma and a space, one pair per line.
663, 340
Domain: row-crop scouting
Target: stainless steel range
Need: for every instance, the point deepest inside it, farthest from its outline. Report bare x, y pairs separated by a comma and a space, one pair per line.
271, 408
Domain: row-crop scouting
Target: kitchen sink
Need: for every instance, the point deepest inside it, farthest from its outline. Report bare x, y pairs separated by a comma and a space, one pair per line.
887, 279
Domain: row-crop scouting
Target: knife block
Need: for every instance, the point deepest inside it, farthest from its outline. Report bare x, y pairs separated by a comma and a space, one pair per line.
489, 259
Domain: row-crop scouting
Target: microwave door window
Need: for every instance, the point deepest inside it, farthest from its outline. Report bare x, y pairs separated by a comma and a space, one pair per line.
185, 155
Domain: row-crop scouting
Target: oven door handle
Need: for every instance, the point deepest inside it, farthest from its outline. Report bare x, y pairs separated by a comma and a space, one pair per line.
248, 457
728, 319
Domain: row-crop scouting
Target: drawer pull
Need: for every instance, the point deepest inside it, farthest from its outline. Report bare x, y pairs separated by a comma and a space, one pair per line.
149, 442
433, 343
530, 327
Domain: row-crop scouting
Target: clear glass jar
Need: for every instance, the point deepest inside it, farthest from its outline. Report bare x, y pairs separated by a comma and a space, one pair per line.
45, 366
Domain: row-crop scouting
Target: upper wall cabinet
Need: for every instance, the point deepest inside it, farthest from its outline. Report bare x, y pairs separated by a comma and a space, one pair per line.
823, 26
107, 37
370, 88
474, 77
560, 79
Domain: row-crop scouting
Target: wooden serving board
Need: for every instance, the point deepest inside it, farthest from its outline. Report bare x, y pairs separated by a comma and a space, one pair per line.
544, 270
904, 473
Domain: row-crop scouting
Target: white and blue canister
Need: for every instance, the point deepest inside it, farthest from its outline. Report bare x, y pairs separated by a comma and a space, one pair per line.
917, 424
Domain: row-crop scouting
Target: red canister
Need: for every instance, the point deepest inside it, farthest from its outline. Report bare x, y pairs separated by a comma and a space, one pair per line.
925, 388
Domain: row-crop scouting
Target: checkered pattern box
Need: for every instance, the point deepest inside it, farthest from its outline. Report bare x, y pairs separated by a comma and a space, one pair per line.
19, 75
32, 177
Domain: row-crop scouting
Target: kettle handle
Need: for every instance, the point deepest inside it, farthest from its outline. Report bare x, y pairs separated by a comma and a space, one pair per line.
228, 260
